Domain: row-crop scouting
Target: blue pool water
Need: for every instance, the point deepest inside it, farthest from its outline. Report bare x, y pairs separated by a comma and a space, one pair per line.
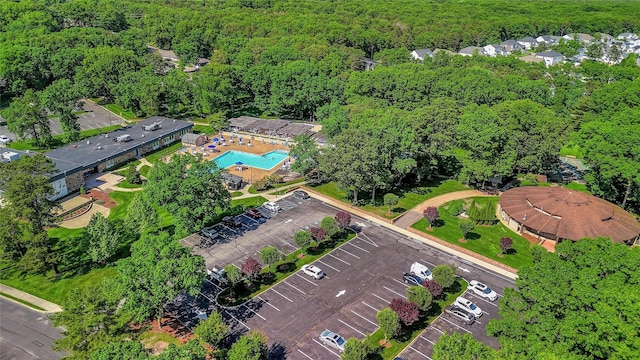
265, 161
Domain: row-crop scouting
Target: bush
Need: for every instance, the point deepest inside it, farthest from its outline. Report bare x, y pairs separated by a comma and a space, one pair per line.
343, 219
456, 207
445, 275
420, 296
434, 288
505, 244
408, 312
431, 214
303, 239
330, 226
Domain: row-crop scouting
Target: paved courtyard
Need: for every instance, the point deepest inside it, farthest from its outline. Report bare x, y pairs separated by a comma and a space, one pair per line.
363, 276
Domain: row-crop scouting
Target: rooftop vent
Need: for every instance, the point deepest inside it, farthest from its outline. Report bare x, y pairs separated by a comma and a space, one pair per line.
153, 127
124, 138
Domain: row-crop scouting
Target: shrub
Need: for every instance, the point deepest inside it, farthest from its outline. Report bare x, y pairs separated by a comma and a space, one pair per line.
505, 244
251, 268
343, 219
330, 226
434, 288
420, 296
407, 312
303, 239
445, 275
318, 234
456, 207
431, 214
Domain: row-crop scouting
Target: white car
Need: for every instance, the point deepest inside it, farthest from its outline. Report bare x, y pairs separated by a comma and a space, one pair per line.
4, 139
312, 271
482, 290
332, 339
469, 306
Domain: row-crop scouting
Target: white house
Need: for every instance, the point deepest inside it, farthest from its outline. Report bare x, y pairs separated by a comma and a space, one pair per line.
471, 50
550, 57
581, 37
420, 54
494, 50
512, 46
605, 37
528, 42
627, 36
548, 39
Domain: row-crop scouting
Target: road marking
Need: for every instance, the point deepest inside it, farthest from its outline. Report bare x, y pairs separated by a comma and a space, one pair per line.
385, 300
206, 297
212, 283
337, 258
401, 282
185, 240
329, 266
325, 347
368, 239
370, 306
340, 293
268, 303
248, 308
395, 292
436, 329
285, 281
414, 349
276, 291
355, 256
365, 319
236, 319
456, 325
356, 330
356, 246
308, 357
483, 299
307, 280
432, 264
424, 338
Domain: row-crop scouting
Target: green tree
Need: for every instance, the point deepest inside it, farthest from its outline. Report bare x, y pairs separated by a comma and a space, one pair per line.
420, 296
103, 238
445, 275
355, 349
233, 274
252, 346
61, 98
330, 226
125, 350
141, 216
213, 330
389, 323
192, 350
466, 226
158, 270
306, 154
217, 121
132, 175
391, 200
303, 239
27, 118
456, 346
102, 69
269, 255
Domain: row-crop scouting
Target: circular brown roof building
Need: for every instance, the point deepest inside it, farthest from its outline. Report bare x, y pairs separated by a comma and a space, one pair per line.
557, 213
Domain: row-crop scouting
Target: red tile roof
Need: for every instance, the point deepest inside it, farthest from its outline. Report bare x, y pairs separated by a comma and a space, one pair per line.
568, 214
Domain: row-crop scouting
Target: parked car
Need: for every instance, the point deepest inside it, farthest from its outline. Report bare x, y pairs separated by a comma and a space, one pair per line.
231, 222
271, 206
218, 275
312, 271
253, 213
482, 290
4, 139
468, 306
412, 279
460, 314
422, 271
302, 195
210, 233
332, 339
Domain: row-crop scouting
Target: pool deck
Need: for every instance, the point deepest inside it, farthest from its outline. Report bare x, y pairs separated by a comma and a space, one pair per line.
249, 174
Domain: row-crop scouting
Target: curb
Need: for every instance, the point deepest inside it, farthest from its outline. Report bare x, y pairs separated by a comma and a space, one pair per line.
48, 306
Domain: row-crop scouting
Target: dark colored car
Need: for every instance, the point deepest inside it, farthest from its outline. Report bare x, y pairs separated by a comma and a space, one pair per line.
302, 195
253, 213
411, 279
231, 222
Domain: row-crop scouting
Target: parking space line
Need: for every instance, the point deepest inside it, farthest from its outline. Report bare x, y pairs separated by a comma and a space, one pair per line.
260, 316
414, 349
424, 338
385, 300
401, 283
368, 239
370, 306
308, 357
307, 280
395, 292
354, 255
285, 281
212, 283
358, 247
429, 263
337, 258
236, 319
276, 291
356, 330
435, 328
206, 297
481, 298
456, 325
266, 302
365, 319
329, 266
326, 348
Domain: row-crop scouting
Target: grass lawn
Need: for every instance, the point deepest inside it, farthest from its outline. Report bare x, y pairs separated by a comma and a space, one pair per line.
22, 301
571, 150
117, 109
577, 187
484, 240
151, 337
253, 190
156, 157
127, 185
236, 194
58, 140
144, 170
253, 201
123, 199
532, 183
401, 341
203, 129
409, 197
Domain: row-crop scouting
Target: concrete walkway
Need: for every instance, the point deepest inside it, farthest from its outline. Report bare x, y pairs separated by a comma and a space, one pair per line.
48, 307
412, 216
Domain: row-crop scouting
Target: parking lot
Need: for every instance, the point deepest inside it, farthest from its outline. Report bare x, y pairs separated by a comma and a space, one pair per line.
363, 276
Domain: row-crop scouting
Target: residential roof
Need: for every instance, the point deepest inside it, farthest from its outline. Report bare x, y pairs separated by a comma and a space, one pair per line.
510, 42
422, 52
568, 214
528, 39
90, 152
295, 129
227, 177
552, 54
471, 50
191, 138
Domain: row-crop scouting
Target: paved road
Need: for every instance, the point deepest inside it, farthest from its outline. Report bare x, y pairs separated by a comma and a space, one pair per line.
25, 334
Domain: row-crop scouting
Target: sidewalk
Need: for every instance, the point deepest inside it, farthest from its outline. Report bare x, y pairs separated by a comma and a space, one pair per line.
48, 307
425, 238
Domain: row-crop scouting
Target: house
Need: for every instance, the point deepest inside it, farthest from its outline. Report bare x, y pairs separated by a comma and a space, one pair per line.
531, 59
471, 50
191, 139
605, 37
528, 42
550, 57
201, 62
581, 37
512, 46
494, 50
232, 182
549, 40
420, 54
627, 36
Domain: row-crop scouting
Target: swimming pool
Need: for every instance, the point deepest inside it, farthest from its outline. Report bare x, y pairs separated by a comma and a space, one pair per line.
265, 161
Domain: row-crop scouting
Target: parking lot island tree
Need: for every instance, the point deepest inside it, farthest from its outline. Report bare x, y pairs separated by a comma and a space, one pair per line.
158, 269
330, 227
212, 330
27, 117
343, 219
252, 346
318, 234
389, 323
444, 275
303, 239
434, 288
270, 255
234, 275
251, 268
408, 312
103, 238
420, 296
355, 349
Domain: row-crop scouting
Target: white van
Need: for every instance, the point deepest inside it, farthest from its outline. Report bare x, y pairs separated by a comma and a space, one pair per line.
271, 206
422, 271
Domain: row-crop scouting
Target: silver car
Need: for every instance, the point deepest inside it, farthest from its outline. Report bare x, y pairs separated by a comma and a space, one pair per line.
460, 314
332, 339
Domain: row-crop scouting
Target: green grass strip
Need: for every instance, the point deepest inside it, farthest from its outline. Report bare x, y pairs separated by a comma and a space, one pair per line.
21, 301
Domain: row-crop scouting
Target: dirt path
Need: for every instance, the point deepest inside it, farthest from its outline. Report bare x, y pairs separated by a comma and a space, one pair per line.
413, 215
